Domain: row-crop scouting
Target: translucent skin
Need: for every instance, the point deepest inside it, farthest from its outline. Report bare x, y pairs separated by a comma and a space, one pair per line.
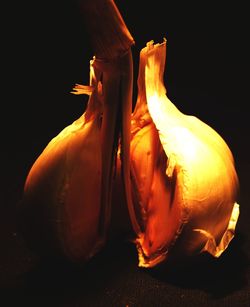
66, 206
185, 177
60, 211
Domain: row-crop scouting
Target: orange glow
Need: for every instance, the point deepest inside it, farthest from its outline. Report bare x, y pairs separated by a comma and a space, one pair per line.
190, 182
171, 174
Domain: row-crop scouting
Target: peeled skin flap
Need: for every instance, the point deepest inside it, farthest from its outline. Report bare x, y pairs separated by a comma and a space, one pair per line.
194, 187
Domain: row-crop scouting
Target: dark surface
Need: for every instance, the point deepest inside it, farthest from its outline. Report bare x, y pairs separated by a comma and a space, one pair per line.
46, 51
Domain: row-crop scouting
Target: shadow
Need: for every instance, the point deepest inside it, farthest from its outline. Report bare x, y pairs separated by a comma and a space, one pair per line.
216, 276
112, 277
61, 283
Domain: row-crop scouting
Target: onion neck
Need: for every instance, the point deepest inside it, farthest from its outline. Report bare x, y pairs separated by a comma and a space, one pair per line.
107, 30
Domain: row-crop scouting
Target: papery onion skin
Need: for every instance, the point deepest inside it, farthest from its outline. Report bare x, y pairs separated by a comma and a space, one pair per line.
185, 182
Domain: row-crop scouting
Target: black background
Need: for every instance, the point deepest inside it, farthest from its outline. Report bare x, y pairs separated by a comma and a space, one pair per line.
45, 51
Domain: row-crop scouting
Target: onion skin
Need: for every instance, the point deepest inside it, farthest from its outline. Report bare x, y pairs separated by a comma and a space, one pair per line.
174, 174
183, 174
66, 205
58, 207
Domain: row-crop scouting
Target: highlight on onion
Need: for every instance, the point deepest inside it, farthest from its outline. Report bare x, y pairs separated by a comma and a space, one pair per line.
172, 174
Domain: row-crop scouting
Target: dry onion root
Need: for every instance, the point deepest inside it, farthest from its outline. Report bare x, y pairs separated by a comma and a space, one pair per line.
184, 180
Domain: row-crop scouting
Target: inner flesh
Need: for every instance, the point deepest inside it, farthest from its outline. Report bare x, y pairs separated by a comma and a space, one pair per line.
154, 195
